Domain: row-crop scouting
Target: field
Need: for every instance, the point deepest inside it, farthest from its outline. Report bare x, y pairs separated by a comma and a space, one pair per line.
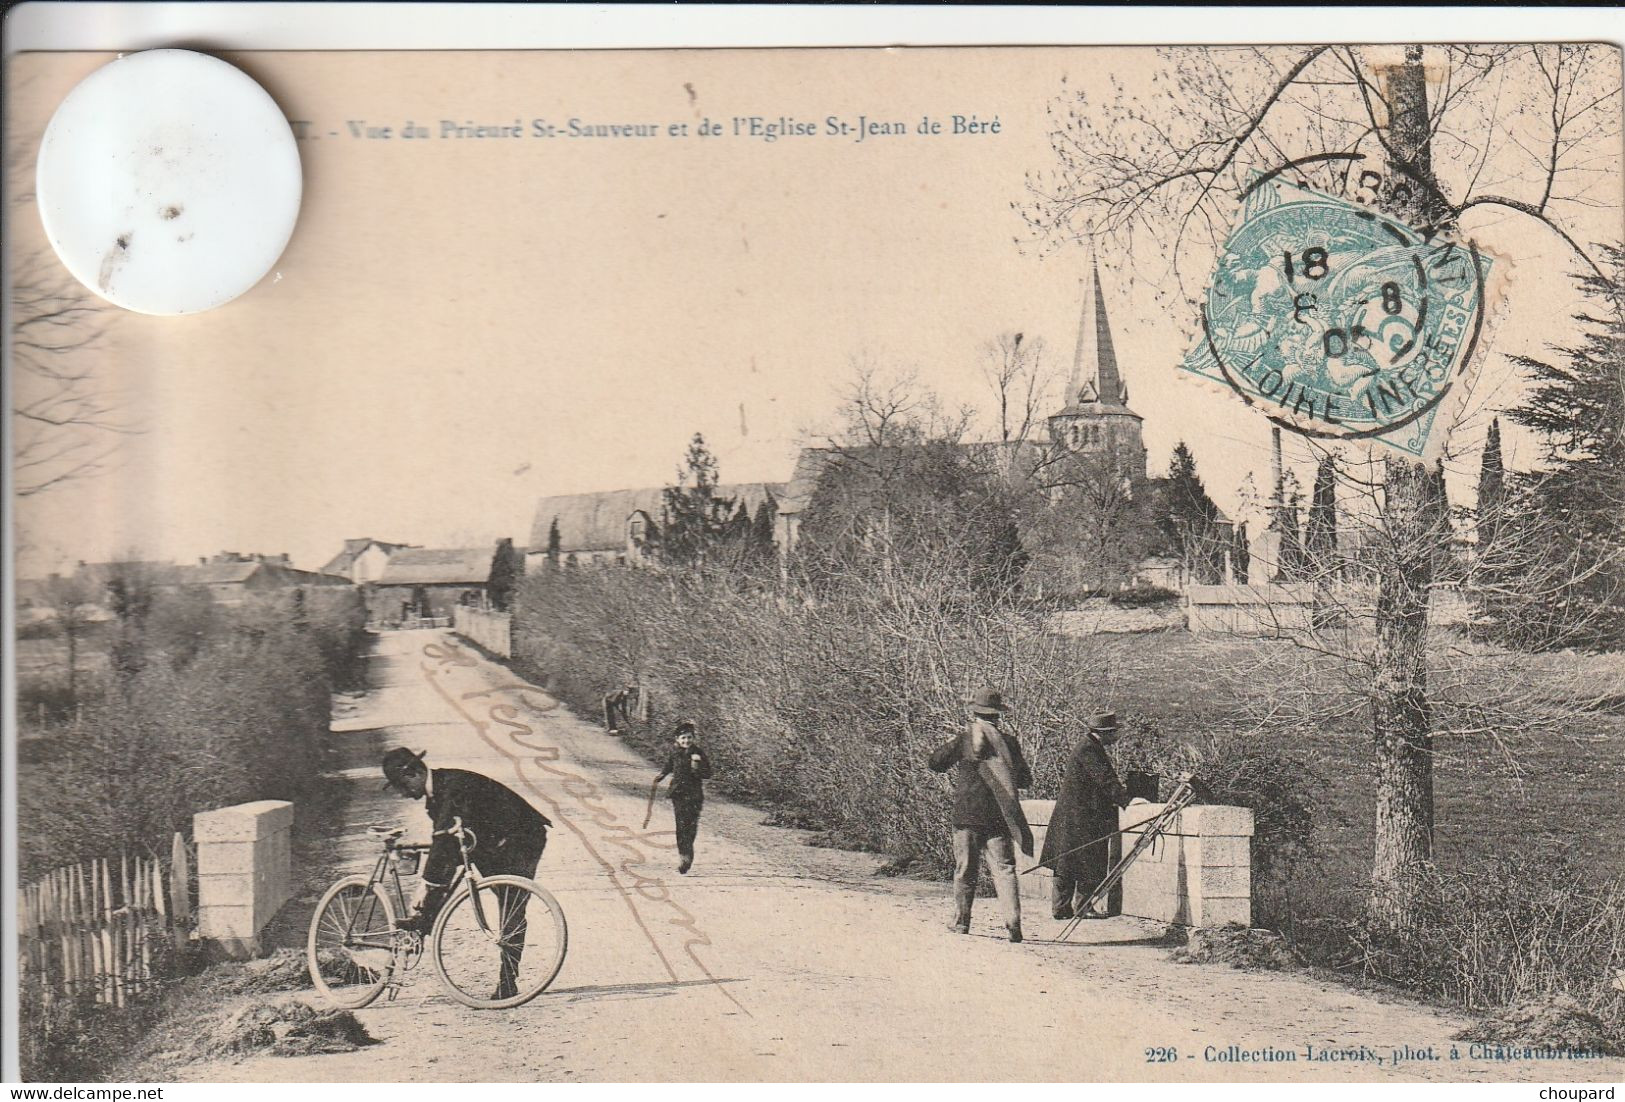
1540, 798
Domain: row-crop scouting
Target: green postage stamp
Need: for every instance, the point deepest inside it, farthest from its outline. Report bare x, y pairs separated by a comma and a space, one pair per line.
1339, 321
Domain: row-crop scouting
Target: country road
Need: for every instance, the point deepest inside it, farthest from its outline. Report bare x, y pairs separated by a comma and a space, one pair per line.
773, 960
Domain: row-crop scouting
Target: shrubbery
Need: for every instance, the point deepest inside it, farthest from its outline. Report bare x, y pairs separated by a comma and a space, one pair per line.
824, 702
206, 706
1144, 596
1507, 932
203, 706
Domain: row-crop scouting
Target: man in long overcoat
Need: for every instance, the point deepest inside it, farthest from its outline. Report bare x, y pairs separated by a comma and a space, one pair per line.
988, 823
1085, 810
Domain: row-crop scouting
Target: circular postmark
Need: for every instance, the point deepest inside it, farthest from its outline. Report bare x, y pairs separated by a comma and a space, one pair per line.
1335, 319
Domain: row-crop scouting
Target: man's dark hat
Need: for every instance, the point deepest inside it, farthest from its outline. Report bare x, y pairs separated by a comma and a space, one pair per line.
399, 763
987, 702
1103, 721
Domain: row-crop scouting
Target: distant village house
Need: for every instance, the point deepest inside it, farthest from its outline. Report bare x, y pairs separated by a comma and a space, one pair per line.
620, 526
429, 582
363, 560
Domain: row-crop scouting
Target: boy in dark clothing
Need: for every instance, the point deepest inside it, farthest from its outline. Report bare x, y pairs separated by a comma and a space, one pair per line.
688, 767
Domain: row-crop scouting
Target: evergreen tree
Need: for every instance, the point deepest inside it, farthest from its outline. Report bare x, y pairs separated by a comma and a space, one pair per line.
1491, 486
555, 544
761, 529
739, 526
696, 519
1289, 500
1578, 406
1572, 509
1190, 519
1320, 536
1240, 554
507, 568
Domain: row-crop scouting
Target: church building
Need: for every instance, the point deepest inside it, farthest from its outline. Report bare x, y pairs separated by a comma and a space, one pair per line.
1096, 419
1094, 426
1095, 423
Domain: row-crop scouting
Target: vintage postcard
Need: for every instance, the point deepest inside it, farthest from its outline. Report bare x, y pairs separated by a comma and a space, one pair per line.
932, 565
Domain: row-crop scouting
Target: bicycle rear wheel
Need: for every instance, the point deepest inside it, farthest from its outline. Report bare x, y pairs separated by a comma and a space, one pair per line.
350, 950
501, 943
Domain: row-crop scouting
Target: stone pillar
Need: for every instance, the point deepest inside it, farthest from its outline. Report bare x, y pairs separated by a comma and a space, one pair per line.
244, 872
1198, 872
1035, 885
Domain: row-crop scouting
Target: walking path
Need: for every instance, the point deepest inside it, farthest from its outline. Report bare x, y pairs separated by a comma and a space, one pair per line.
773, 960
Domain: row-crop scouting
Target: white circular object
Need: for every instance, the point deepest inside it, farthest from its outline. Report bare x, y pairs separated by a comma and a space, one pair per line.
168, 182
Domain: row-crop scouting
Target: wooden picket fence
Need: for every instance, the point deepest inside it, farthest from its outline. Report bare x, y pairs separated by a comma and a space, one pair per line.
100, 930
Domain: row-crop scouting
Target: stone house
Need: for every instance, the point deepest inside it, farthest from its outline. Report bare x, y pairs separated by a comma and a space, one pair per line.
362, 559
430, 582
620, 526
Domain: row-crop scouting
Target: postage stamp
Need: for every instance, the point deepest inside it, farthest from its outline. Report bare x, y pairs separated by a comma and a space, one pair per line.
1340, 322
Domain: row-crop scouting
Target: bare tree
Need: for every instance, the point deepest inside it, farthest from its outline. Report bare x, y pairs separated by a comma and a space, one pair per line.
65, 416
1090, 519
1020, 382
72, 600
1453, 127
898, 478
880, 407
1457, 124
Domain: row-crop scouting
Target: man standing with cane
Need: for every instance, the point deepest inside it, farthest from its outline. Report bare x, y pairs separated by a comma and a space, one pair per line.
1077, 847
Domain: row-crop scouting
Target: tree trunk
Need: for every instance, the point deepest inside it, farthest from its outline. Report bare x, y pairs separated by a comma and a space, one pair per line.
71, 632
1401, 721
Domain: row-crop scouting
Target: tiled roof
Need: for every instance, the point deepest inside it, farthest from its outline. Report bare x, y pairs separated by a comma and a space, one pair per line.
597, 522
212, 573
439, 566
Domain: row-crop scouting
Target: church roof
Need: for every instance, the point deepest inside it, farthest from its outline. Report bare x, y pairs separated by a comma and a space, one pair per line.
1095, 386
592, 522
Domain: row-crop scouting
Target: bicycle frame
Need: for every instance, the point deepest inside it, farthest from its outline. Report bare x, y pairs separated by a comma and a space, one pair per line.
469, 873
386, 872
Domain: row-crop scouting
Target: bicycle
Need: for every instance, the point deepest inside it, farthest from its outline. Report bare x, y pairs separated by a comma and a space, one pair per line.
356, 947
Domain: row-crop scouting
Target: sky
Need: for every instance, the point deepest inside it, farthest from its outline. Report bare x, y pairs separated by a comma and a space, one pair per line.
463, 325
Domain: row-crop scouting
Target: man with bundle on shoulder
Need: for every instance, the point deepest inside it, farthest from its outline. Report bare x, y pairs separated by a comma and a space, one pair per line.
987, 820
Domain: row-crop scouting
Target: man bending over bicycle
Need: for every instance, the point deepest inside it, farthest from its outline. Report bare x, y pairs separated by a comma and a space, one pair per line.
509, 836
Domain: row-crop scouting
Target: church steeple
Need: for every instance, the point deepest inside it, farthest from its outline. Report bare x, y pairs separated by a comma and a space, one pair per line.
1094, 363
1096, 419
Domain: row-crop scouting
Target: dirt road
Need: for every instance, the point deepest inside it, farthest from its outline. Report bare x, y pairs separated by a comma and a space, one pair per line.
773, 960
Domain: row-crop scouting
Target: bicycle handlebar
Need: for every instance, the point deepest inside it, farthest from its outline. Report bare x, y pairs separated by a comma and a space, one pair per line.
466, 838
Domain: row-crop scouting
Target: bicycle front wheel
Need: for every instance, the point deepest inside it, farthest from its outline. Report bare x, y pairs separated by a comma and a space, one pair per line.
499, 943
350, 950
